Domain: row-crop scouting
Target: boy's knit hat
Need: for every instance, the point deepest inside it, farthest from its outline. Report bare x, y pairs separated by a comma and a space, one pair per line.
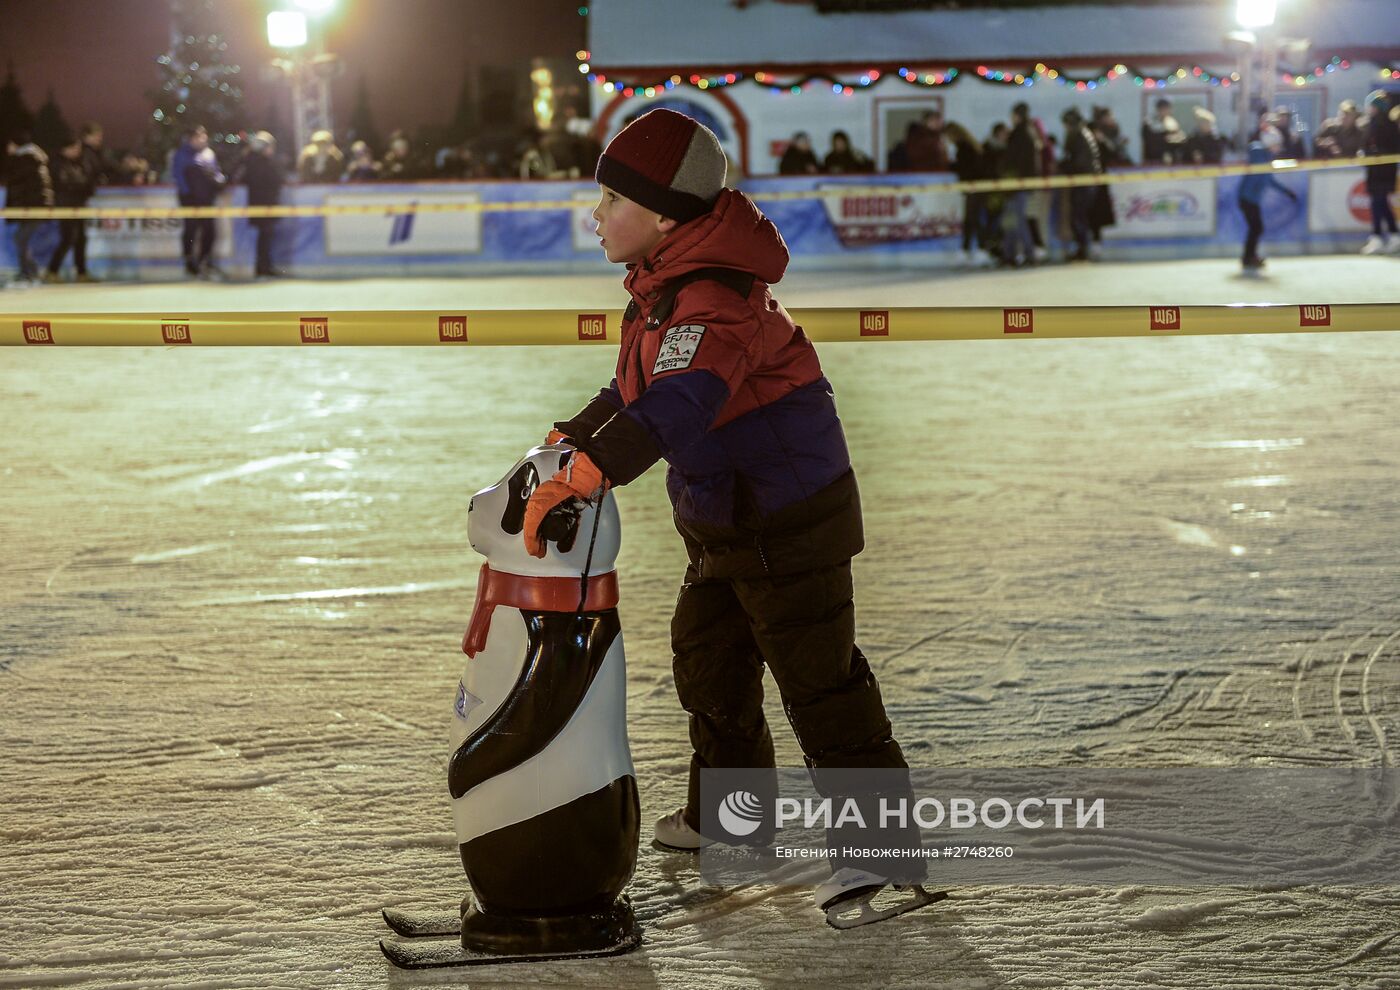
667, 162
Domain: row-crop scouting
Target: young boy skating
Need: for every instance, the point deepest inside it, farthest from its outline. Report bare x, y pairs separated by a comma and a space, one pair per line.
714, 378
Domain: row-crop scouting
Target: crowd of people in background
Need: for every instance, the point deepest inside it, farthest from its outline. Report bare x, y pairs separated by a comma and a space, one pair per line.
1009, 228
1013, 227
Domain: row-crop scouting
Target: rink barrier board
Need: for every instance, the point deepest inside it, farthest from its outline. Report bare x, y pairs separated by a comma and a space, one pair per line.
1279, 167
554, 326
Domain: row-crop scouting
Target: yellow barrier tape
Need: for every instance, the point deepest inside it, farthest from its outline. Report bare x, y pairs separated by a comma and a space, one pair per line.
854, 189
559, 326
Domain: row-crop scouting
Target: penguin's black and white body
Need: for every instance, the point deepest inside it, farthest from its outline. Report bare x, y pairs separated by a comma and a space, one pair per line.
544, 799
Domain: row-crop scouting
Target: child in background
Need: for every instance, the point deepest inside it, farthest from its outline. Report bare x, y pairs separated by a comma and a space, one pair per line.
1252, 189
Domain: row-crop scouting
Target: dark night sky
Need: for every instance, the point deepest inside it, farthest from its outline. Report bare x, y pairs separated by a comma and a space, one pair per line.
98, 55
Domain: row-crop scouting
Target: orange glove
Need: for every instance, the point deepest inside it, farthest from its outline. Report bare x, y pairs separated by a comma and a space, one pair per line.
580, 478
554, 437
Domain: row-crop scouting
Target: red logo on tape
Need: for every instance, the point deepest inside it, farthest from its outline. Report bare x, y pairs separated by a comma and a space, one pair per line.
315, 329
1164, 317
592, 326
1314, 316
176, 332
1018, 320
874, 323
38, 332
452, 329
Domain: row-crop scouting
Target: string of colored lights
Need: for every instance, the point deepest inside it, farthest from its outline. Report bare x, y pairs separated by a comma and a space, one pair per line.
1041, 72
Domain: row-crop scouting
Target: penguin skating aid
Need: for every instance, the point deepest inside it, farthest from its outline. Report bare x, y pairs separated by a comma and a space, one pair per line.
544, 798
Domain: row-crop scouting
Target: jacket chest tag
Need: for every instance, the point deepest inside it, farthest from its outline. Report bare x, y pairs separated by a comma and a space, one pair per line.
678, 348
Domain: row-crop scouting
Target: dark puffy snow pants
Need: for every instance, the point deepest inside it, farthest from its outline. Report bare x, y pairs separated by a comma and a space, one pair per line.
803, 626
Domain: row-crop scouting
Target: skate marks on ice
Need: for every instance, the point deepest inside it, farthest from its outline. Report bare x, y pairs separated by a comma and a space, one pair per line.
1344, 698
203, 797
685, 900
1140, 937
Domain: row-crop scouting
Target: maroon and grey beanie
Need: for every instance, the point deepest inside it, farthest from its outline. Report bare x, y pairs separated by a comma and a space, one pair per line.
667, 162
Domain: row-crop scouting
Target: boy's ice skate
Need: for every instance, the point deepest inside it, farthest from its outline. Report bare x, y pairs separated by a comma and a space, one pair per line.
1375, 244
852, 898
672, 834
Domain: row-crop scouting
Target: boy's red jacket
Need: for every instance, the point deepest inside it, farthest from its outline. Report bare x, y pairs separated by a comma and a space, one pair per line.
724, 386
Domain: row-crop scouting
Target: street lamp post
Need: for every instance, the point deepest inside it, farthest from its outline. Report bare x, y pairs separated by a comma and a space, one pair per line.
290, 31
1259, 55
1254, 16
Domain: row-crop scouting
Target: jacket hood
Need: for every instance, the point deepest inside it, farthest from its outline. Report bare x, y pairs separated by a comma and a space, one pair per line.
33, 150
734, 234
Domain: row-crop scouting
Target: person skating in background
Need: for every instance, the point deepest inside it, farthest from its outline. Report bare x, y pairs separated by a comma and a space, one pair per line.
1041, 201
924, 144
132, 170
922, 149
1163, 140
27, 184
1293, 144
1252, 189
993, 167
1023, 159
400, 164
844, 159
264, 179
199, 181
1113, 143
73, 184
714, 378
1382, 138
798, 157
536, 162
1081, 158
969, 166
361, 167
1341, 136
1207, 145
94, 158
320, 160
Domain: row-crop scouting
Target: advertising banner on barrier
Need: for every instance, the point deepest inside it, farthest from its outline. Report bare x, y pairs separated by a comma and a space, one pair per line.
585, 228
865, 218
1337, 202
146, 240
394, 233
1163, 209
824, 220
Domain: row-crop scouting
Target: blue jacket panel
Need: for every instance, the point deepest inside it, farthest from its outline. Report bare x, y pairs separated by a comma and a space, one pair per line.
765, 460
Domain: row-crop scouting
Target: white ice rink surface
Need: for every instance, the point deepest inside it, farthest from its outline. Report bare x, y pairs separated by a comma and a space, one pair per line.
1326, 279
233, 585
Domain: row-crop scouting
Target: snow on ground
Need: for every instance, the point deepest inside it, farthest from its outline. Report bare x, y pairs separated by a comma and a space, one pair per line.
233, 585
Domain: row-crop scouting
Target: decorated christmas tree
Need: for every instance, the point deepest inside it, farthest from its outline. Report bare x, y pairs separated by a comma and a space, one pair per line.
51, 130
199, 81
14, 115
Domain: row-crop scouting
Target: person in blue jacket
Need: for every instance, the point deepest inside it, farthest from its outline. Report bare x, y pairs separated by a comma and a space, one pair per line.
198, 182
1252, 190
